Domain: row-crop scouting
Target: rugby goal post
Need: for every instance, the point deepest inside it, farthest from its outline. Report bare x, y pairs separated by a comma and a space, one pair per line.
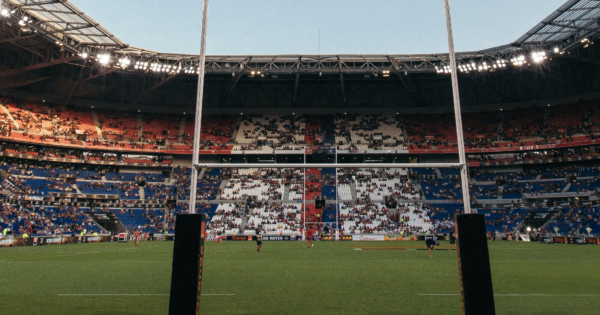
473, 301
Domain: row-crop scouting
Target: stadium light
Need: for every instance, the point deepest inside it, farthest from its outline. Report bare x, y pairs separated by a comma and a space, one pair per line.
84, 55
125, 62
24, 21
386, 73
104, 58
518, 61
538, 56
586, 42
529, 229
4, 12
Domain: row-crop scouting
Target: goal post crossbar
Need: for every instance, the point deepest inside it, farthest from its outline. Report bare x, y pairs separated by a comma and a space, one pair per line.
332, 165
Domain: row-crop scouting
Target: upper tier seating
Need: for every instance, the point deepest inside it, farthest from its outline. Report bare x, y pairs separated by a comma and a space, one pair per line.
57, 124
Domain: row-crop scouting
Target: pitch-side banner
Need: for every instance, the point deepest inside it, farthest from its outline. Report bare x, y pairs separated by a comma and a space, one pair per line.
396, 237
53, 240
275, 238
368, 237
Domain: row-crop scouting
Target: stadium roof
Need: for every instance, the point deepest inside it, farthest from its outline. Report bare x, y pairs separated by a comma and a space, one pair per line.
74, 37
64, 21
573, 21
565, 28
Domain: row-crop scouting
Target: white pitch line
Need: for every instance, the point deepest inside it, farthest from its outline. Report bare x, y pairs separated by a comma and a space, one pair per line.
110, 294
84, 261
530, 294
545, 261
543, 294
127, 294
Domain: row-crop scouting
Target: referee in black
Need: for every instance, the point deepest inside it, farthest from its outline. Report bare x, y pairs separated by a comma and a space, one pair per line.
258, 241
431, 242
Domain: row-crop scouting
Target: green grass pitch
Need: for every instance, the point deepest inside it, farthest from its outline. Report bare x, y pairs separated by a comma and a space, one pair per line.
288, 278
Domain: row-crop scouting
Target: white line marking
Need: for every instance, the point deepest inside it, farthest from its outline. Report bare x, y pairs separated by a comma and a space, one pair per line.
86, 262
358, 249
110, 294
546, 261
543, 294
127, 294
282, 261
530, 294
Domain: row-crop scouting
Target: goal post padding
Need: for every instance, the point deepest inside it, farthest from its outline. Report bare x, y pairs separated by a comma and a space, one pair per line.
186, 275
474, 264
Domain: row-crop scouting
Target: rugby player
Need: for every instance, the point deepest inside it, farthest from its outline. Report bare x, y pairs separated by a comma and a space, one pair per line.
431, 242
309, 237
452, 241
258, 241
136, 237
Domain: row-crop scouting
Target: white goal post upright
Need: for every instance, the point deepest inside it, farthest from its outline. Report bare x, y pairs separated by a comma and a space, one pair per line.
198, 121
337, 214
304, 197
457, 112
462, 165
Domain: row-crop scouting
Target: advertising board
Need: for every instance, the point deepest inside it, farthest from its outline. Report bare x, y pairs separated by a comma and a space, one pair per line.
368, 237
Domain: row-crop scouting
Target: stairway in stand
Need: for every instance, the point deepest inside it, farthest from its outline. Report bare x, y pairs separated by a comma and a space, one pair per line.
97, 124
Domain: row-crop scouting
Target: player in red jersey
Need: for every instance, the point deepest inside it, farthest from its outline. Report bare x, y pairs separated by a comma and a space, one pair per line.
136, 237
309, 237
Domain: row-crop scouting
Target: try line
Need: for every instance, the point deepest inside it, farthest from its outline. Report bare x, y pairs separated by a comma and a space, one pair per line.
526, 294
127, 294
